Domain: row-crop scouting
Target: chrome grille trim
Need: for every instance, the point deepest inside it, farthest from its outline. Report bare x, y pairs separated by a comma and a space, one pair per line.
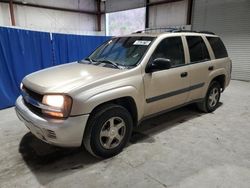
38, 104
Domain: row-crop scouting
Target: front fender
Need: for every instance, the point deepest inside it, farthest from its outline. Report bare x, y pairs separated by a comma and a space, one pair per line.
86, 106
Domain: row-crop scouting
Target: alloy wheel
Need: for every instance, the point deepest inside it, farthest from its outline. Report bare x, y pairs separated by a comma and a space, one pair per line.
112, 132
213, 97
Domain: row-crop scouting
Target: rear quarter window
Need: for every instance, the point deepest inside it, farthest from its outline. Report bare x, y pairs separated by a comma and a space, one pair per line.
218, 47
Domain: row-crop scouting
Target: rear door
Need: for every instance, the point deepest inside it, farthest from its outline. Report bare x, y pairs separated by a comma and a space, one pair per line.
199, 66
221, 59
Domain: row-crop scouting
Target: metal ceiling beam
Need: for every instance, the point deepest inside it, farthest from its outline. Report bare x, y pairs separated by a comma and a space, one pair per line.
52, 8
147, 15
162, 2
98, 7
189, 12
12, 16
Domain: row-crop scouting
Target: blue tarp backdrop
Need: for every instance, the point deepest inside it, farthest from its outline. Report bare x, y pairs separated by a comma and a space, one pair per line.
74, 47
23, 52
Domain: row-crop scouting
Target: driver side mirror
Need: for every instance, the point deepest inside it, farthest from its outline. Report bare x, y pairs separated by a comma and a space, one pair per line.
158, 64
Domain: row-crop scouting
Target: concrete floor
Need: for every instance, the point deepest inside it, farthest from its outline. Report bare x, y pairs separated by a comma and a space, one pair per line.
183, 148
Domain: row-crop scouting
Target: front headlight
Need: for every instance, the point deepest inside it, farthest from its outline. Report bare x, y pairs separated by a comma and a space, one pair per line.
58, 105
21, 86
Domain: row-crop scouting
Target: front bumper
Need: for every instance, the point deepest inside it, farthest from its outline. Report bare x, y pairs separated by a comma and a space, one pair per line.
61, 132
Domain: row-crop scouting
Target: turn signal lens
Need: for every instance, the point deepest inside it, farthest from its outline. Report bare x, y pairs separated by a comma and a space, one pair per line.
54, 114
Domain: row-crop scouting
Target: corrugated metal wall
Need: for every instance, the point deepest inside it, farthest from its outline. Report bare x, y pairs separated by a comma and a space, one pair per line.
230, 19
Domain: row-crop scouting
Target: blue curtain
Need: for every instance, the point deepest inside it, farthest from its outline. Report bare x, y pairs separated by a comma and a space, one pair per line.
70, 48
21, 52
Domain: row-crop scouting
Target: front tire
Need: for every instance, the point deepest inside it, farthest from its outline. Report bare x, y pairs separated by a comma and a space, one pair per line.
211, 101
108, 131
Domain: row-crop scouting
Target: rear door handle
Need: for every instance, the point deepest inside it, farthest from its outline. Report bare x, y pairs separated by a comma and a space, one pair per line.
211, 68
184, 74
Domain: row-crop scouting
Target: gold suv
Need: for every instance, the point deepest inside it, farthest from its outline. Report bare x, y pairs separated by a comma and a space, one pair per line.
97, 101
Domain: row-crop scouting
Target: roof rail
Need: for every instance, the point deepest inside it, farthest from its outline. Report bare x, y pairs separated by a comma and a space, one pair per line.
207, 32
171, 30
159, 29
191, 31
178, 31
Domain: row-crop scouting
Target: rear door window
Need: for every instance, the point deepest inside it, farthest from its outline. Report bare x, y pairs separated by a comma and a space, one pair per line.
197, 49
218, 47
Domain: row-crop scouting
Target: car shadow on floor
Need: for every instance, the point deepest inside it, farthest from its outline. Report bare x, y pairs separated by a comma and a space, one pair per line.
42, 158
49, 162
150, 127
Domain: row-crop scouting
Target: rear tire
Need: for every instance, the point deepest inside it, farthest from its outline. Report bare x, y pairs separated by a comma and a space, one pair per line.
108, 131
211, 101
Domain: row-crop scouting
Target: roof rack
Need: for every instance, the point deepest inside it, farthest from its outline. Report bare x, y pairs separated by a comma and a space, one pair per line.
159, 29
207, 32
180, 30
171, 30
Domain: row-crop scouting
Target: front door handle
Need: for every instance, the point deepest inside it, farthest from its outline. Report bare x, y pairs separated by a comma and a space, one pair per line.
184, 74
211, 68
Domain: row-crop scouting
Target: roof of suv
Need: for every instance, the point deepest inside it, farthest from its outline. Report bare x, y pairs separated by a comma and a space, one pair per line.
167, 33
158, 31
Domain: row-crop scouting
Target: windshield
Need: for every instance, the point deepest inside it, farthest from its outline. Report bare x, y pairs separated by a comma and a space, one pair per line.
121, 51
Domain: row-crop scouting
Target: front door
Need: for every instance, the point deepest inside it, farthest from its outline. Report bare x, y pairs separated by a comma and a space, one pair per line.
165, 89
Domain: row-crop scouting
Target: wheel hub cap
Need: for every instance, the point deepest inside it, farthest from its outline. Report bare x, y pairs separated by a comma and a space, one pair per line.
112, 132
213, 97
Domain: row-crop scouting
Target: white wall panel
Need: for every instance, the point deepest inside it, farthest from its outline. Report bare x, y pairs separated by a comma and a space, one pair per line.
4, 14
72, 4
169, 14
123, 22
54, 20
103, 23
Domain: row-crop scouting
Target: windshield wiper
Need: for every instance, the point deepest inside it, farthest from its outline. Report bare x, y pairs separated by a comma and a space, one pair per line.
90, 60
87, 59
109, 62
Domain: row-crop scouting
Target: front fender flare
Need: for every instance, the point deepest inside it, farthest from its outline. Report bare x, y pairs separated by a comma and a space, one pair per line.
89, 104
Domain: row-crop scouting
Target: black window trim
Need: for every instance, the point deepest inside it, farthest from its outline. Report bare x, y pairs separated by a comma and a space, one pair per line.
184, 53
185, 45
214, 57
206, 44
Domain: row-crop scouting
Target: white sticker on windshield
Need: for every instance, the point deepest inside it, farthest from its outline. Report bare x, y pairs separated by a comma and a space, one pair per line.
142, 42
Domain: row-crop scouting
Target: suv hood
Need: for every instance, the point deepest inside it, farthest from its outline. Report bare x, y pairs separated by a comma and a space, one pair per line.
64, 78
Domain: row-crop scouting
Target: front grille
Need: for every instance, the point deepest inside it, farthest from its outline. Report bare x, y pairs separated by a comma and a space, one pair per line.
36, 96
33, 94
33, 109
